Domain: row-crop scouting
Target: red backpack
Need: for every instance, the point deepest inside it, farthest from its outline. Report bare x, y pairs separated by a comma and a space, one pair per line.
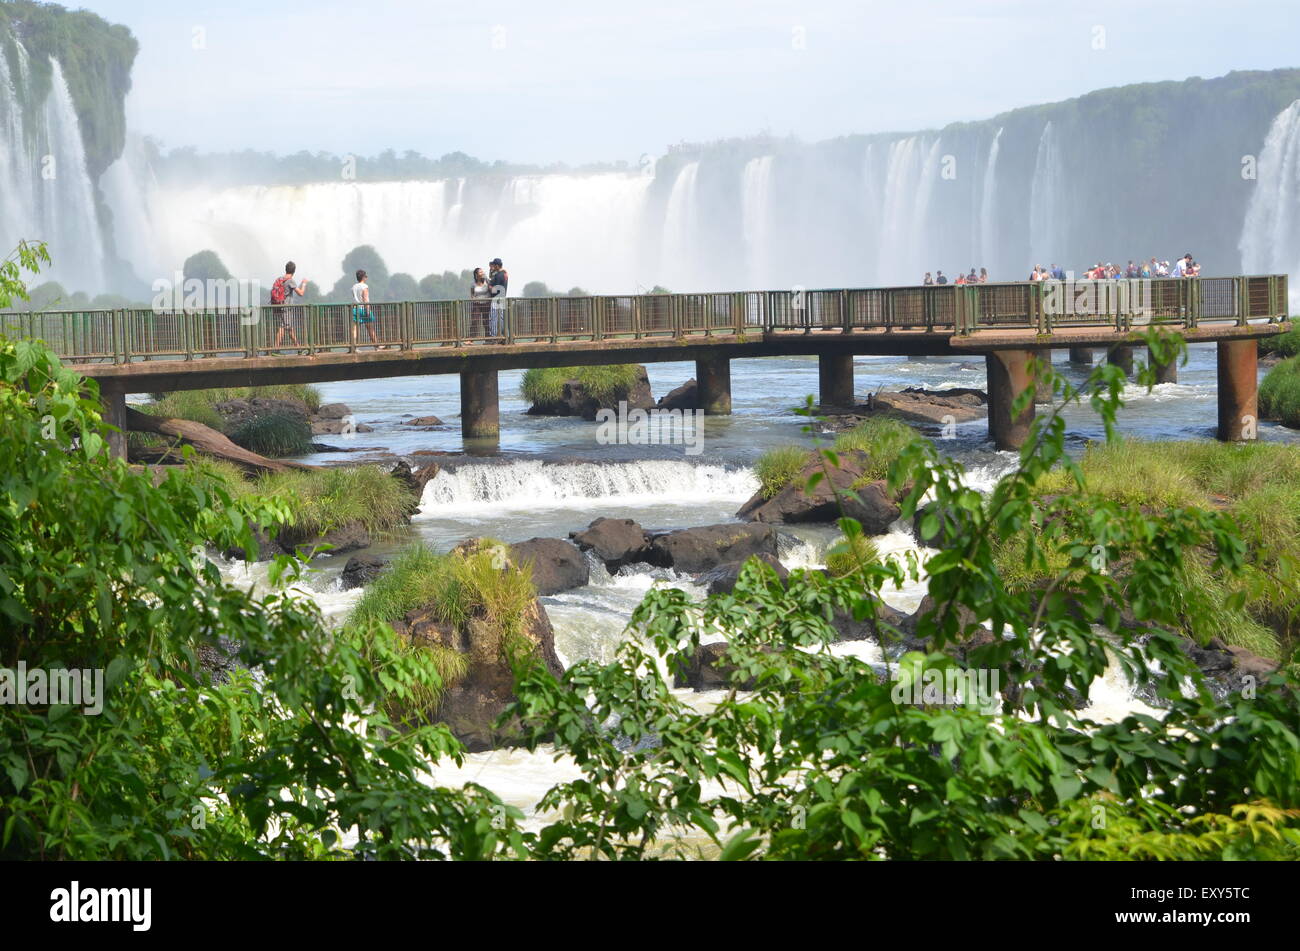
278, 293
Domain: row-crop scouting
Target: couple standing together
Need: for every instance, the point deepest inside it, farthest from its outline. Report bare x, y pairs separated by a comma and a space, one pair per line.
488, 301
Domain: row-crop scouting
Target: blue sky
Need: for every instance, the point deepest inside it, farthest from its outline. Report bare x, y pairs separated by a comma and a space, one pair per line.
599, 81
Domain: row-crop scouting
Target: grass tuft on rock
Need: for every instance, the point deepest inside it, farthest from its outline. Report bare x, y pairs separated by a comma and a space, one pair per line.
778, 467
882, 439
848, 556
1279, 393
605, 384
274, 435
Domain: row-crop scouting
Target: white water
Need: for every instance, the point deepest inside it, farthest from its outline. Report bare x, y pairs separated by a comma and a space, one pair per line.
1270, 237
677, 261
1045, 202
46, 191
988, 227
756, 217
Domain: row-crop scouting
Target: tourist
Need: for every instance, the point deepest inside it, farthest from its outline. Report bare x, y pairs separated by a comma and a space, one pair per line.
1057, 273
972, 277
939, 278
480, 295
928, 280
361, 313
282, 290
961, 278
498, 281
984, 276
1180, 266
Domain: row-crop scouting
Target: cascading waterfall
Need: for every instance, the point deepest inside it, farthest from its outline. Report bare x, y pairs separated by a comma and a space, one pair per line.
756, 216
988, 212
1270, 237
676, 259
533, 484
47, 193
1045, 202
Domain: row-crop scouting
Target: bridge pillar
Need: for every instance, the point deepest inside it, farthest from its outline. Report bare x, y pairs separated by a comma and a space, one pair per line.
114, 402
1121, 357
1238, 390
1081, 355
713, 385
835, 379
1008, 376
1165, 372
479, 409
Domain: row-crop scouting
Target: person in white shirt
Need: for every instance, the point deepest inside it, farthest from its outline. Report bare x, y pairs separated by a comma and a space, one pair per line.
361, 312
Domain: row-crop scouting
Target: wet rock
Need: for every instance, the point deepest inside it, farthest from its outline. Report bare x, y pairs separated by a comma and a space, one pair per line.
337, 427
350, 536
360, 571
927, 406
558, 565
267, 548
575, 401
693, 550
706, 670
235, 413
885, 626
615, 541
423, 421
722, 579
333, 411
874, 507
414, 479
685, 396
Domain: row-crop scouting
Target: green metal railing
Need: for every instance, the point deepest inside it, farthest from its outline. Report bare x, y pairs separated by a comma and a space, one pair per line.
126, 336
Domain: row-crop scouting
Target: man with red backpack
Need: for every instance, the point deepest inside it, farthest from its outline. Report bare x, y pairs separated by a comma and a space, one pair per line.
282, 290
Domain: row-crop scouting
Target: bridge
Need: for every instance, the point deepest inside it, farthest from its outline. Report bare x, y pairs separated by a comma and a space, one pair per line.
161, 350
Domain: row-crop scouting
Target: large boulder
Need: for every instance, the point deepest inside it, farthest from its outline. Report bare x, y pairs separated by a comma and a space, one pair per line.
360, 571
414, 479
930, 406
615, 541
722, 579
236, 412
471, 706
558, 565
693, 550
874, 507
686, 396
576, 401
350, 536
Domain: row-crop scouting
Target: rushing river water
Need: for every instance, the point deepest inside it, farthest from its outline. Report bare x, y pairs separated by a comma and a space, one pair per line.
550, 476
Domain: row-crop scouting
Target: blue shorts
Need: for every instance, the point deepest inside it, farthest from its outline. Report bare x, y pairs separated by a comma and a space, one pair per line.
362, 315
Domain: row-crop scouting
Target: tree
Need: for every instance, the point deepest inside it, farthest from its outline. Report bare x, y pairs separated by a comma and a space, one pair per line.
205, 266
402, 287
536, 289
366, 258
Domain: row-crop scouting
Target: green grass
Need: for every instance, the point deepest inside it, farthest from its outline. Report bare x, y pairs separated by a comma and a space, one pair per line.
1284, 345
845, 557
606, 384
199, 406
321, 499
777, 467
274, 435
882, 439
1256, 484
1279, 394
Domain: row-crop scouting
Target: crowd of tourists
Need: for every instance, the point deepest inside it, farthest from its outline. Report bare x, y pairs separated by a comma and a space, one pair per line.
1185, 266
972, 278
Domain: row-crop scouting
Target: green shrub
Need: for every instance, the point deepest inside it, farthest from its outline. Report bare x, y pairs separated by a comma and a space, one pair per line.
777, 467
199, 406
274, 435
1284, 345
323, 499
1279, 394
605, 384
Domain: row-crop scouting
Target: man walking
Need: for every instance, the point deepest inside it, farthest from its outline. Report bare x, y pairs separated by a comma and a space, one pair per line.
282, 292
498, 281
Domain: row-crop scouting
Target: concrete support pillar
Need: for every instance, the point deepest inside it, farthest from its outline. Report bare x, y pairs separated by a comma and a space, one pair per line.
479, 408
713, 385
1121, 357
1238, 390
114, 403
1165, 372
835, 379
1008, 376
1081, 356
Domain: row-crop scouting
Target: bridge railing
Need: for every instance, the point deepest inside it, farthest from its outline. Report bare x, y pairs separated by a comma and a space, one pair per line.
122, 336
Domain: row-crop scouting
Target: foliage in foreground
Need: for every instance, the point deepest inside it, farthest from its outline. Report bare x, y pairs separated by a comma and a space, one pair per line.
823, 758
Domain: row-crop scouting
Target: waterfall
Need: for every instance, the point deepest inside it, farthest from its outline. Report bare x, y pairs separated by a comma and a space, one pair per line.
676, 260
988, 211
1270, 236
530, 485
756, 216
1045, 203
